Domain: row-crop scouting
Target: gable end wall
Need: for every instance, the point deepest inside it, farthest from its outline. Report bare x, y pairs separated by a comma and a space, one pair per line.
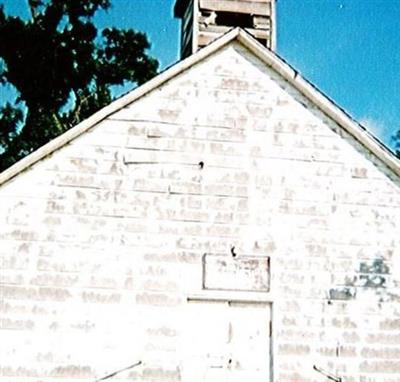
102, 242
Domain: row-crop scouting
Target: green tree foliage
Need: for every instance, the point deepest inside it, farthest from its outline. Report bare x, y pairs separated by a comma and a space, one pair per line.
63, 69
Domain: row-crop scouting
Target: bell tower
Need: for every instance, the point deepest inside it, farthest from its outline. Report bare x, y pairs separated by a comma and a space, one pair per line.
203, 21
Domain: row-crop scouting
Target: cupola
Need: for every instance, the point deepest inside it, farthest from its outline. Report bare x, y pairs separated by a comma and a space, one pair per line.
203, 21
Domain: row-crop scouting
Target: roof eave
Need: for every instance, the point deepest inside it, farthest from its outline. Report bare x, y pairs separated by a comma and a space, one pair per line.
270, 58
324, 103
114, 106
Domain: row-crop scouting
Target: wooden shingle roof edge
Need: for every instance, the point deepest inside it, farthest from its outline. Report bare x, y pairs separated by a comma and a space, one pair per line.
271, 59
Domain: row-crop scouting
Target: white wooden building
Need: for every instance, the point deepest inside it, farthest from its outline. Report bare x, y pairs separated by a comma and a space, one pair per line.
225, 221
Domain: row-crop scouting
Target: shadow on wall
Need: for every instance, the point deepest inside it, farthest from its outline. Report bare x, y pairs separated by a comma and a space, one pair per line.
373, 274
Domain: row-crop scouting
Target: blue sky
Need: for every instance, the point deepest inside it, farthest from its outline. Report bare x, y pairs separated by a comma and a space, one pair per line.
348, 48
